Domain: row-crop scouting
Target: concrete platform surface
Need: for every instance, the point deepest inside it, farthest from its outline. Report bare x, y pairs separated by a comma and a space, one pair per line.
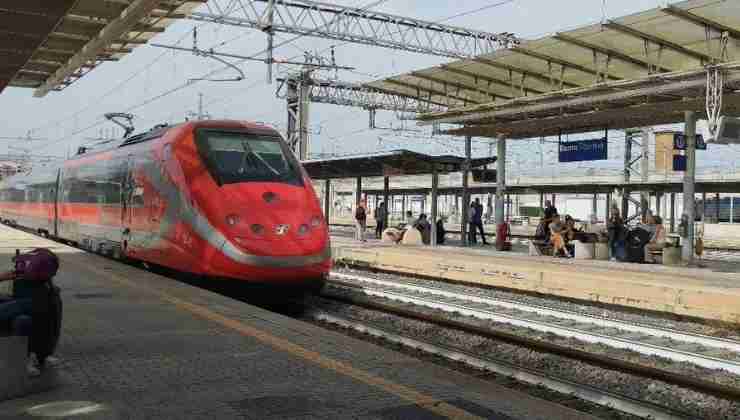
712, 292
136, 345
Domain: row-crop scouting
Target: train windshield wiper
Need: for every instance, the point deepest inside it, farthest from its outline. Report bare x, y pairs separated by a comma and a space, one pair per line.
248, 151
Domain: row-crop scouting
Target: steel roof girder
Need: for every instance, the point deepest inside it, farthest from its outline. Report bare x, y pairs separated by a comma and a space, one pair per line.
485, 78
561, 62
620, 55
702, 21
541, 77
460, 85
358, 25
705, 58
137, 10
430, 90
680, 82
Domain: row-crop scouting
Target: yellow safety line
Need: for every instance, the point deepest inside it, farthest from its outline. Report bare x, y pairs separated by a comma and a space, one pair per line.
425, 401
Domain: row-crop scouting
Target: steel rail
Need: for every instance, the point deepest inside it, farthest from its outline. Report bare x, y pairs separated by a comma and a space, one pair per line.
523, 374
700, 385
704, 340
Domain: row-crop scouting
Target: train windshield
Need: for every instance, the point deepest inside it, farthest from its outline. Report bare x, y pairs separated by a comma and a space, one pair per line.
233, 157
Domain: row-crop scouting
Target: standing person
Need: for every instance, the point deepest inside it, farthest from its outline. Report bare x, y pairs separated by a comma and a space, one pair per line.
410, 218
549, 214
478, 220
441, 230
360, 221
381, 214
471, 224
617, 234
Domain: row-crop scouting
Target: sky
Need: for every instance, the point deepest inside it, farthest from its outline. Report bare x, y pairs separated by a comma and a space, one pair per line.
152, 84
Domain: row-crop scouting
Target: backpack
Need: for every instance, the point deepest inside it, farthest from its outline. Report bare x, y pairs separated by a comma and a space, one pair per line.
38, 265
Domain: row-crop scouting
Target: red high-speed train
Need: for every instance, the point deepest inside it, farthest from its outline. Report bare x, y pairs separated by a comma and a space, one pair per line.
223, 199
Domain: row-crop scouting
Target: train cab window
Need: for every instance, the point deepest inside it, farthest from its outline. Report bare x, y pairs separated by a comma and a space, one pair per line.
233, 157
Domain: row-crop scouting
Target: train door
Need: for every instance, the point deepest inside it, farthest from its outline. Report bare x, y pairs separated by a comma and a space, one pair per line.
54, 200
128, 189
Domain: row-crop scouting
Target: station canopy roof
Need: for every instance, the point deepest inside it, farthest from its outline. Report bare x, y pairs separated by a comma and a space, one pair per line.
638, 70
392, 163
48, 44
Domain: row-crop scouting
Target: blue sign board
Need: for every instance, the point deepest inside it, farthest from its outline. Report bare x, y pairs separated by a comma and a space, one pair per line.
577, 151
679, 142
679, 163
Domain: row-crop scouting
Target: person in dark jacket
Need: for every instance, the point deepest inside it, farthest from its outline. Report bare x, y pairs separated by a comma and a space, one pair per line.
441, 232
360, 221
381, 214
617, 235
477, 221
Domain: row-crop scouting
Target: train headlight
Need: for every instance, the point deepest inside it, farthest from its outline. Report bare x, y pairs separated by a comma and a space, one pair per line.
315, 221
232, 219
303, 229
257, 229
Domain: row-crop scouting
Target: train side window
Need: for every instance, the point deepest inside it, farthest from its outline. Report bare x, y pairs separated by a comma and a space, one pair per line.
138, 197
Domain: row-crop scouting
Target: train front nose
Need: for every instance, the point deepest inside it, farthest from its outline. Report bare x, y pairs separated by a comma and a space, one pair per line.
281, 233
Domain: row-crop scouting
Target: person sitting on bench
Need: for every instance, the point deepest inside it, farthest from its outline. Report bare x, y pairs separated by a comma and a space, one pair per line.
657, 239
32, 270
557, 237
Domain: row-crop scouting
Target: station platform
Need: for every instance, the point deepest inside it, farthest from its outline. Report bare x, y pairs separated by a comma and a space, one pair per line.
137, 345
711, 292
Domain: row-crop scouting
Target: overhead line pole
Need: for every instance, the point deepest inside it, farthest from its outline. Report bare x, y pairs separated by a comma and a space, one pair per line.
352, 25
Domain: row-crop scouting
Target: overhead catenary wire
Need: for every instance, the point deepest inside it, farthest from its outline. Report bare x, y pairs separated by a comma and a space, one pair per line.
192, 82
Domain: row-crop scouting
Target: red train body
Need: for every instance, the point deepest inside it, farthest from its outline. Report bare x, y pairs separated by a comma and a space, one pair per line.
223, 199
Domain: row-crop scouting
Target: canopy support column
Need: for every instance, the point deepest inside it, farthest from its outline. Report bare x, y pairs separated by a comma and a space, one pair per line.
595, 205
673, 212
386, 195
358, 192
689, 181
465, 193
327, 200
433, 221
716, 208
500, 190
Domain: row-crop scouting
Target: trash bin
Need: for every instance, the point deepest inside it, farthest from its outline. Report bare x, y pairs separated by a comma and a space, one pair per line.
583, 250
671, 255
601, 251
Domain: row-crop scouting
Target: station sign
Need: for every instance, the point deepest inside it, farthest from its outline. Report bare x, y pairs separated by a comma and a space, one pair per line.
679, 142
583, 150
679, 163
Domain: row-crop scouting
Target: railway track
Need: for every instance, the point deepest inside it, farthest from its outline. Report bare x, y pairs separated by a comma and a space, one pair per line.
564, 386
702, 350
706, 351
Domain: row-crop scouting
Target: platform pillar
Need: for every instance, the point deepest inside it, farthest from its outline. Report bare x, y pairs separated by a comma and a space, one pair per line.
465, 192
595, 205
358, 194
500, 190
716, 208
689, 181
386, 196
673, 212
435, 184
327, 201
732, 209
